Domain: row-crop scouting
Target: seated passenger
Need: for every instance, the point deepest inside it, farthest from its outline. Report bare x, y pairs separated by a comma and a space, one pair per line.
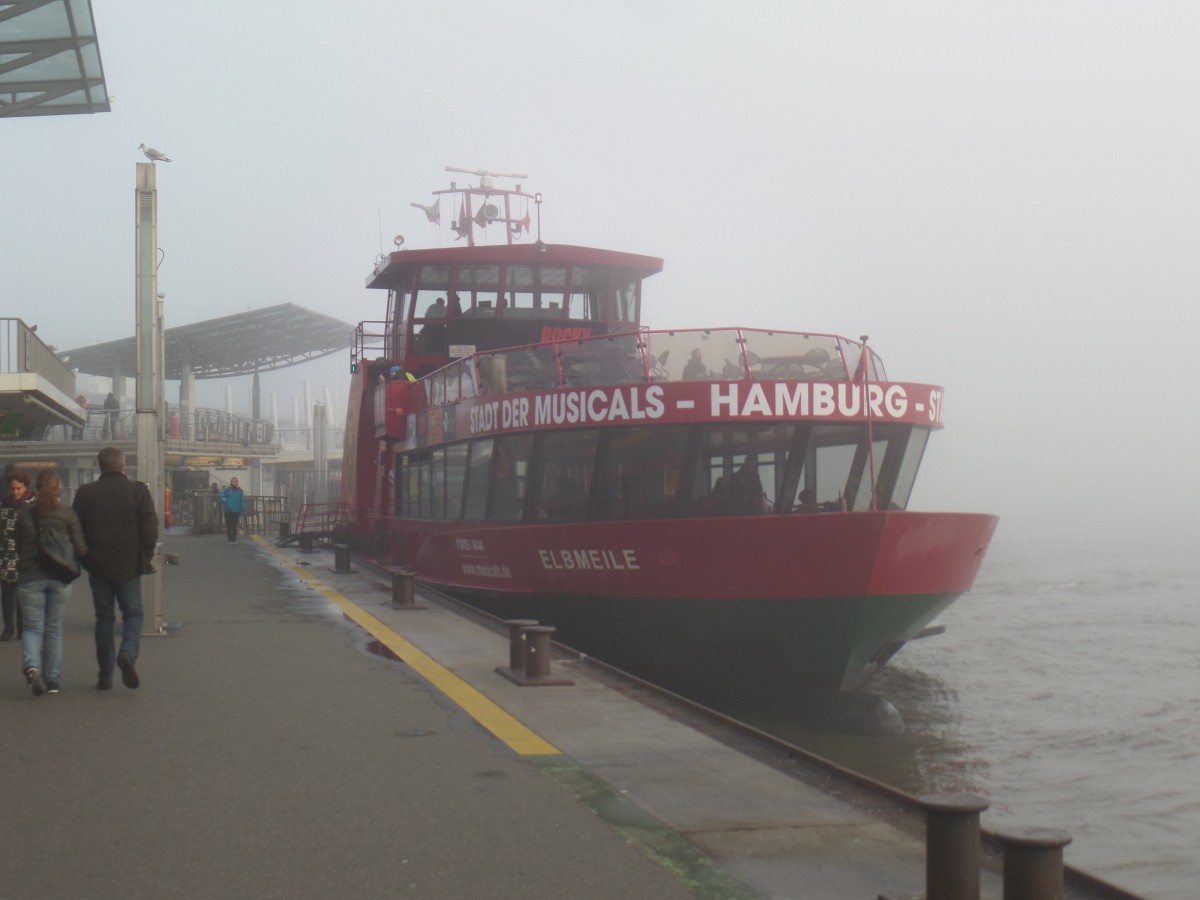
807, 501
695, 370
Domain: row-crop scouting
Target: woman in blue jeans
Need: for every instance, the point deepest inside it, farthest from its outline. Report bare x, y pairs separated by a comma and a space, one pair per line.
42, 597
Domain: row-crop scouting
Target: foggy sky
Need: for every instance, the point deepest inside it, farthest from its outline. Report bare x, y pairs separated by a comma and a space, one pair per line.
1004, 197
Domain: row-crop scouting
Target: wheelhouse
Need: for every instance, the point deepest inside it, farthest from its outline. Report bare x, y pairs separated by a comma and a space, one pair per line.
449, 303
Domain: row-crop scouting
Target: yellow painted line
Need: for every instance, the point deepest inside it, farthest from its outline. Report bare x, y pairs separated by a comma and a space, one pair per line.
523, 740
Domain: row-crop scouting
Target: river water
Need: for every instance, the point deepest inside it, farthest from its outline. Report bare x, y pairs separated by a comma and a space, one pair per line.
1066, 689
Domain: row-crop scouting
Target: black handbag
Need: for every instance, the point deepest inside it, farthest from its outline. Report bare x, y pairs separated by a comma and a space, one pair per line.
55, 550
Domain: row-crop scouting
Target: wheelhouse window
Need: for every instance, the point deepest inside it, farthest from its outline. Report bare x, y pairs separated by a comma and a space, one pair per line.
430, 309
589, 287
625, 297
477, 290
535, 292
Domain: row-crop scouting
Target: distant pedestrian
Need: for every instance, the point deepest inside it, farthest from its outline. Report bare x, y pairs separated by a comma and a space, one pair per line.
77, 432
121, 528
41, 593
233, 498
14, 501
112, 410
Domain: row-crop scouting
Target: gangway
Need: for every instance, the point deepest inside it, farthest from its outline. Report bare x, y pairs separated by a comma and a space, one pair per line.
325, 522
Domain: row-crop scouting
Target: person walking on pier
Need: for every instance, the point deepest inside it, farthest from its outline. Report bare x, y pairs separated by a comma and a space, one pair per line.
43, 592
16, 500
233, 498
120, 526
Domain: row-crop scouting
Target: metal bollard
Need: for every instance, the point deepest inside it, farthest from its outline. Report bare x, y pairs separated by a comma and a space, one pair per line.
285, 529
1033, 863
306, 541
404, 590
341, 557
516, 643
537, 650
952, 849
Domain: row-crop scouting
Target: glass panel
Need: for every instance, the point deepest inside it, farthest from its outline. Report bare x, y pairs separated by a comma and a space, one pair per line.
641, 473
456, 476
403, 490
589, 287
478, 290
907, 473
509, 468
565, 479
479, 468
423, 485
738, 469
534, 292
603, 360
626, 297
780, 356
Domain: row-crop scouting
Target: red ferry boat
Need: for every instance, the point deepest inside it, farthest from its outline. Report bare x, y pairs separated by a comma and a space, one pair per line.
682, 504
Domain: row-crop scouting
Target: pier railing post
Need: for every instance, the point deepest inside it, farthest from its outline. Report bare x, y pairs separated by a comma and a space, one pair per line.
1033, 863
952, 848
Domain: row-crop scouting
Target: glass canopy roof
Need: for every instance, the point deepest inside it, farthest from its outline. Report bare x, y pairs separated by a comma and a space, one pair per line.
50, 59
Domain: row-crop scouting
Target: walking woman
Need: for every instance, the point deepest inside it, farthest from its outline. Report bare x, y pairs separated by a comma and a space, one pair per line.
41, 596
16, 500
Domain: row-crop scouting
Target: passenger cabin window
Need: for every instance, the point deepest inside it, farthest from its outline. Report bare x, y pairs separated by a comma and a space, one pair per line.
660, 471
564, 481
640, 478
510, 465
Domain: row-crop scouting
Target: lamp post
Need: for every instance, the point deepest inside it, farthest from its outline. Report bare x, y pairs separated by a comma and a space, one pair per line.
150, 451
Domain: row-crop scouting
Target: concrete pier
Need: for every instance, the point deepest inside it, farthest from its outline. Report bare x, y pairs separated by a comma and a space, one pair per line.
297, 736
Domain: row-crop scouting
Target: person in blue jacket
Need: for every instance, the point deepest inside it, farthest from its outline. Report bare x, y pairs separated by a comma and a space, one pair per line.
234, 501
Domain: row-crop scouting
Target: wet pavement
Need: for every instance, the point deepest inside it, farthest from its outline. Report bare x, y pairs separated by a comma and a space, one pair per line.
296, 736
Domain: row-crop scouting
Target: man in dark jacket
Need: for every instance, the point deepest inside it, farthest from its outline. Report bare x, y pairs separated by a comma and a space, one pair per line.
120, 527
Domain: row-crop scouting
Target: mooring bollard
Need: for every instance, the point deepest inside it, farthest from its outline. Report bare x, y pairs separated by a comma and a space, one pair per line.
306, 542
952, 849
1033, 863
537, 650
285, 529
341, 557
516, 643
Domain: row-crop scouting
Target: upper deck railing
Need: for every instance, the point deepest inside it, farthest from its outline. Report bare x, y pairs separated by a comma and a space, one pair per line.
21, 350
642, 357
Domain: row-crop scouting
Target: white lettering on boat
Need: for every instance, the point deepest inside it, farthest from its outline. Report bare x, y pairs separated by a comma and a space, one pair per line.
809, 399
487, 570
589, 559
469, 545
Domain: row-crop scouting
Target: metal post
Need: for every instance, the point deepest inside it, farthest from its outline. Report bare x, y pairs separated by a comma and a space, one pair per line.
149, 376
537, 650
516, 643
952, 849
1033, 863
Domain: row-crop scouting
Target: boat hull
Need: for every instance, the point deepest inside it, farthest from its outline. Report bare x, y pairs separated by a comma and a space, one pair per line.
701, 606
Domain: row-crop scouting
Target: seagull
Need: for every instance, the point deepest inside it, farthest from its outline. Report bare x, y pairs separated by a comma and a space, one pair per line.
154, 155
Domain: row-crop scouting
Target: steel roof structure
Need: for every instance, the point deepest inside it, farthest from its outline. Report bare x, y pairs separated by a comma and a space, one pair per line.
50, 59
257, 341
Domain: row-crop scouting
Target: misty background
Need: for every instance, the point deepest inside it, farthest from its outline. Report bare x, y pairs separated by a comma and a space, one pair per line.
1006, 199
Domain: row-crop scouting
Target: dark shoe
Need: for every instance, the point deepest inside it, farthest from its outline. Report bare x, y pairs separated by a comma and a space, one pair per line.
7, 633
129, 675
52, 687
34, 679
104, 684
